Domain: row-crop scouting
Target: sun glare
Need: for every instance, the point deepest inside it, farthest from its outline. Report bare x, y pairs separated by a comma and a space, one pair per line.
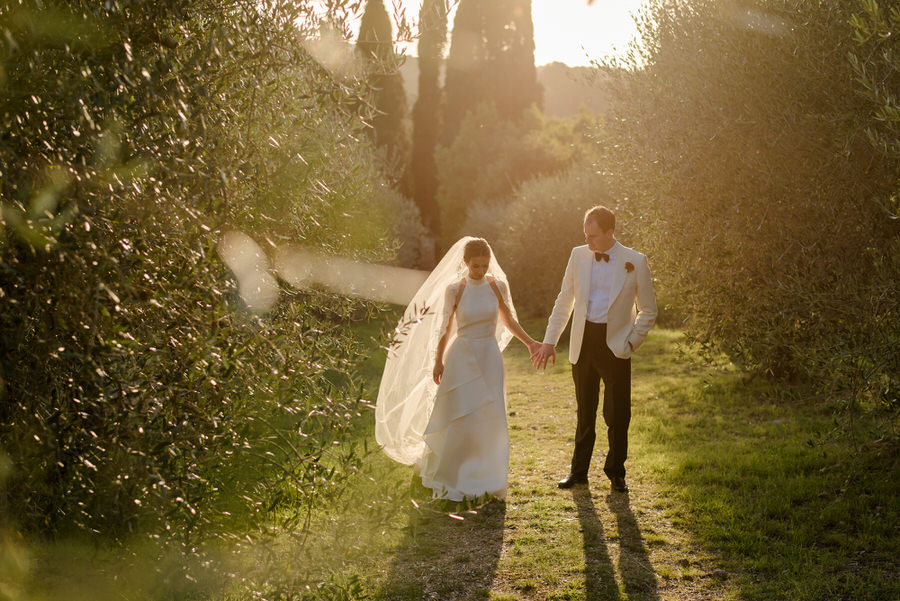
572, 32
568, 31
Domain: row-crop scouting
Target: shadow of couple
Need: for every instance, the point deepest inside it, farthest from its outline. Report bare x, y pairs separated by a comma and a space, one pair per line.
638, 580
444, 557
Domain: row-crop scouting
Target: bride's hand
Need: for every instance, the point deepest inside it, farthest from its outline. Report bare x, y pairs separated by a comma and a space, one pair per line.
533, 347
438, 372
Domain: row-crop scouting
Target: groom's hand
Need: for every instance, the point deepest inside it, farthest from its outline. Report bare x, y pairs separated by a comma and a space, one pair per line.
545, 352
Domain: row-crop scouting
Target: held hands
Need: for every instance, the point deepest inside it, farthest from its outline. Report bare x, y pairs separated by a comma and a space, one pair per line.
544, 352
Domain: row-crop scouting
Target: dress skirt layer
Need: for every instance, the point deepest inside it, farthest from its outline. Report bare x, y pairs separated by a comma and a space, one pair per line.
467, 441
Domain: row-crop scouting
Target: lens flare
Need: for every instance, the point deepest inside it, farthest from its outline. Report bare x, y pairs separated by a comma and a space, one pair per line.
303, 269
248, 262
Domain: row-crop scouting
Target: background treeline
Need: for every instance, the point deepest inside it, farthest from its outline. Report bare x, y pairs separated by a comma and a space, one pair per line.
751, 148
565, 89
761, 141
138, 394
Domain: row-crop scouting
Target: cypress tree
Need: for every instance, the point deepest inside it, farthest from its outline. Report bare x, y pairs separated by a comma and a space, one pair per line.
375, 45
511, 75
491, 60
427, 111
464, 86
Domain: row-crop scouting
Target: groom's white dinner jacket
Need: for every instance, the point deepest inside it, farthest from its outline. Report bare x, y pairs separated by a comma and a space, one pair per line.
629, 287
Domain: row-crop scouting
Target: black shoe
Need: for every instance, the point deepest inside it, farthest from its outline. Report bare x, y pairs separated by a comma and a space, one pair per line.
571, 480
618, 484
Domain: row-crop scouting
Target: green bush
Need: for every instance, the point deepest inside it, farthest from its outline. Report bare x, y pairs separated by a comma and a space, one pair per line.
139, 394
405, 227
774, 216
490, 157
486, 220
543, 222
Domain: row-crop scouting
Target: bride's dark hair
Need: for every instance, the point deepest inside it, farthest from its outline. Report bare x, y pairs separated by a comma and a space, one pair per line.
477, 247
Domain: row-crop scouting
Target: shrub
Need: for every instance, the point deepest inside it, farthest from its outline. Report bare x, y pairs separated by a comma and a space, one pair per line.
405, 225
490, 157
486, 220
544, 221
139, 394
747, 129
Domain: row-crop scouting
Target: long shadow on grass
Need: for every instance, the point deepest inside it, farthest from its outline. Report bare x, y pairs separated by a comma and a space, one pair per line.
637, 575
443, 557
634, 560
599, 576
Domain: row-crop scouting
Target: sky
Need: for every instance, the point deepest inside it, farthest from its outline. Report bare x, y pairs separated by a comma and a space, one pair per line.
572, 32
568, 31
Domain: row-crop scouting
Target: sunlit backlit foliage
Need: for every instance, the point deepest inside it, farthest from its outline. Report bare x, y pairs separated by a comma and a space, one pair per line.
141, 392
427, 115
375, 46
491, 156
762, 156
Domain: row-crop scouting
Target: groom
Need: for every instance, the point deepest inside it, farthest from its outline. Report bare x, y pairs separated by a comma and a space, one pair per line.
603, 282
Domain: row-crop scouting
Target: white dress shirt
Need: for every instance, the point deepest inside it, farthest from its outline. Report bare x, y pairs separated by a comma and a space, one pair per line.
601, 282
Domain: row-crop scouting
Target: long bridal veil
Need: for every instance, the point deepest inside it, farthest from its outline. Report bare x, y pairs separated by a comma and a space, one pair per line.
407, 391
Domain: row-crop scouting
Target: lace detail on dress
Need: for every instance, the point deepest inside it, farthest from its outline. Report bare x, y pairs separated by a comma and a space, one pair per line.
450, 294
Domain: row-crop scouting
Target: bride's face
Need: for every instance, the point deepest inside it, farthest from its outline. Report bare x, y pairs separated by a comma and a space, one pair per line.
478, 266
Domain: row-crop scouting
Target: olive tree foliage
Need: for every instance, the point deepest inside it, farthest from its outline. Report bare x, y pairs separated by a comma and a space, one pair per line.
138, 391
876, 63
775, 223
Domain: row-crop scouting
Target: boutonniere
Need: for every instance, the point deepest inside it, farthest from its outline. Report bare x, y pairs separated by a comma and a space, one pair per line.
629, 267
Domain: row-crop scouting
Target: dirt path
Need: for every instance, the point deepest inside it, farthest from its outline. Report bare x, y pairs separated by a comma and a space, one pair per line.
544, 543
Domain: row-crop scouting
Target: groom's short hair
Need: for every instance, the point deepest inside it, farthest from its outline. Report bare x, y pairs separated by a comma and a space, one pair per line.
602, 216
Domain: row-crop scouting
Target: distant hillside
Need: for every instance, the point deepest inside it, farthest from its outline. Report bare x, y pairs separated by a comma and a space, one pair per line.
565, 88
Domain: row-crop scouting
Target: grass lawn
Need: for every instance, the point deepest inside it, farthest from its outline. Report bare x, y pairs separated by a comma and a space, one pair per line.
738, 491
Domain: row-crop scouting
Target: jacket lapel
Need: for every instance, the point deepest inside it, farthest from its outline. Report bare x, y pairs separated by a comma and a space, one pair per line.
585, 270
618, 275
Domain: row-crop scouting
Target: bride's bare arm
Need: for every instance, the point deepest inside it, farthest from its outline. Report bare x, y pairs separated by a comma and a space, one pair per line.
438, 371
517, 330
451, 297
513, 326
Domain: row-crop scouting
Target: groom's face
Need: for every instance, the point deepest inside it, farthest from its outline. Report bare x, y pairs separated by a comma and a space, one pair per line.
596, 238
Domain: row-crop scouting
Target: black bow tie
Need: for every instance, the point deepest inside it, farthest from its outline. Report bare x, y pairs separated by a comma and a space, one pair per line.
601, 256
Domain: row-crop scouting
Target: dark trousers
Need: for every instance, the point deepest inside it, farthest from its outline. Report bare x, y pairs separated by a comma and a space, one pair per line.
595, 363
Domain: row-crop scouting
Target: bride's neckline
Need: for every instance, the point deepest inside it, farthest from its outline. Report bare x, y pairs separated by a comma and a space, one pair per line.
475, 282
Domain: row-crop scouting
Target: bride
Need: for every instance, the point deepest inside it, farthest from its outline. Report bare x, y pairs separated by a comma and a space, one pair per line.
442, 402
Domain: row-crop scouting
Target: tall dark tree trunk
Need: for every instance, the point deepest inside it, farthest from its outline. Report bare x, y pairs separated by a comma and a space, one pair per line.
512, 77
375, 44
464, 83
491, 61
427, 111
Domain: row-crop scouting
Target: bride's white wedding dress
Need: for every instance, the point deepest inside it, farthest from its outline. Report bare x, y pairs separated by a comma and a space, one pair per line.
467, 440
455, 434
